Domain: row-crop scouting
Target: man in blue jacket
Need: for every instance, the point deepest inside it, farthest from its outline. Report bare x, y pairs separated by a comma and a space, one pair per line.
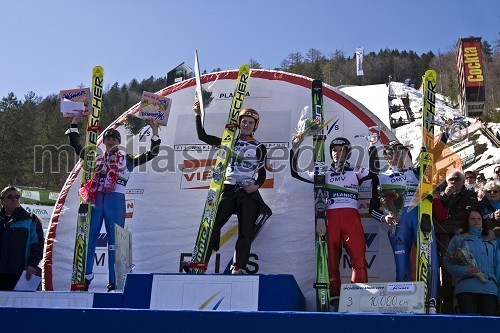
21, 240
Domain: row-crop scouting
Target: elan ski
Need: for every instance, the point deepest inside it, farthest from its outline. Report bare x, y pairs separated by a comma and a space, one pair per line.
88, 164
322, 284
426, 173
198, 264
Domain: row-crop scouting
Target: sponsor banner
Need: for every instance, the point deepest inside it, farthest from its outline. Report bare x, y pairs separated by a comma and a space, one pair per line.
254, 93
43, 212
473, 63
197, 174
129, 206
205, 292
28, 194
395, 297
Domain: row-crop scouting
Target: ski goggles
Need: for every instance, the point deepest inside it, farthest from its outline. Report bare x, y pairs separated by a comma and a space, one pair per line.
394, 150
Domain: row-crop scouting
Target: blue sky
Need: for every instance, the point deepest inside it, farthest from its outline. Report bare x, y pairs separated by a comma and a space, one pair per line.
52, 45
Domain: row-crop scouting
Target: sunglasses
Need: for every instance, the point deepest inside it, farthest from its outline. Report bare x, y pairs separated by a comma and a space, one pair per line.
11, 197
492, 191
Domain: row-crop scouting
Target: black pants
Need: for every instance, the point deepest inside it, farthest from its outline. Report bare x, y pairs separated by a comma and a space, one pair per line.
236, 200
474, 303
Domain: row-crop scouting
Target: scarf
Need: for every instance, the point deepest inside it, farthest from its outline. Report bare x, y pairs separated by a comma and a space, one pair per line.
89, 190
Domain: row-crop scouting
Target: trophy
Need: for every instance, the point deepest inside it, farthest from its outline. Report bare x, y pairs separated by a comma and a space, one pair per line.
373, 135
392, 201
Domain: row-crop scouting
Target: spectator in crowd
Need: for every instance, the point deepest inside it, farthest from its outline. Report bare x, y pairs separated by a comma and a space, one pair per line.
455, 198
496, 173
470, 180
480, 179
490, 204
480, 192
21, 240
476, 281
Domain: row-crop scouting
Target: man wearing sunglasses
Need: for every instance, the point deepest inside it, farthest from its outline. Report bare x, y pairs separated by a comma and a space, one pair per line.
496, 173
21, 240
454, 200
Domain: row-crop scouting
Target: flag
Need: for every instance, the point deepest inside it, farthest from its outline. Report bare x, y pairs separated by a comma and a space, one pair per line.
359, 61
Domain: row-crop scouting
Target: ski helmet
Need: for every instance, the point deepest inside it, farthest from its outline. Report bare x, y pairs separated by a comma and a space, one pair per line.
340, 141
249, 113
112, 133
394, 145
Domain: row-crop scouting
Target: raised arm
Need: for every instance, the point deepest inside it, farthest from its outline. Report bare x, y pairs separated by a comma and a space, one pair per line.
202, 135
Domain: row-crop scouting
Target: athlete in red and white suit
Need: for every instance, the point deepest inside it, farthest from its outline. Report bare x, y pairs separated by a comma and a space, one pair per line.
342, 215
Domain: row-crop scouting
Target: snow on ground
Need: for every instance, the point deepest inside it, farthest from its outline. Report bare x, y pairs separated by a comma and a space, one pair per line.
375, 98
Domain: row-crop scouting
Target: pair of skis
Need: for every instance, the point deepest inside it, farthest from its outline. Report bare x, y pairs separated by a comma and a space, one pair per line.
322, 284
88, 165
426, 187
198, 264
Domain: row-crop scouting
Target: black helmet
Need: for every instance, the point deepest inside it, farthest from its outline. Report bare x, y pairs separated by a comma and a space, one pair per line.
393, 144
112, 133
340, 141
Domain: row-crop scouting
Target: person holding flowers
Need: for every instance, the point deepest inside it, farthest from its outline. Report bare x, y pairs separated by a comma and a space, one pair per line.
473, 259
400, 180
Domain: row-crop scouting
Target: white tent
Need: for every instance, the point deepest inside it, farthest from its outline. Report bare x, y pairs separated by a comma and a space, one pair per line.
165, 197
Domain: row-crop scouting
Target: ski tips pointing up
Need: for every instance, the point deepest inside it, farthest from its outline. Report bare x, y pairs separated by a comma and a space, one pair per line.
98, 70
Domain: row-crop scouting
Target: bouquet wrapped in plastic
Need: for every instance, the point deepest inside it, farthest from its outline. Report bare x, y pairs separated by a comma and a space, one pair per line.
463, 257
307, 127
135, 124
393, 201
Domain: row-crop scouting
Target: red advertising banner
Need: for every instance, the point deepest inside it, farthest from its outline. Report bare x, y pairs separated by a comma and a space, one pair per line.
473, 65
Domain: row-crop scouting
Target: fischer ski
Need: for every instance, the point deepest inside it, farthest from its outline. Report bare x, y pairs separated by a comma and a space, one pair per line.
88, 164
426, 187
198, 264
322, 284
